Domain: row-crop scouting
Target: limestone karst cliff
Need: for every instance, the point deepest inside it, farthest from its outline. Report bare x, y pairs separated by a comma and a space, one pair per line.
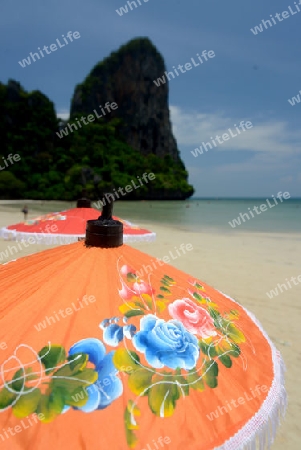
126, 77
58, 158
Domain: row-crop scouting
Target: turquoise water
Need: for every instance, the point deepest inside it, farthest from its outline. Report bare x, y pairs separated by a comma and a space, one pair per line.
195, 215
215, 215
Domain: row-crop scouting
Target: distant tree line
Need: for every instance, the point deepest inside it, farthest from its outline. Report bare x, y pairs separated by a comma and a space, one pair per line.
95, 157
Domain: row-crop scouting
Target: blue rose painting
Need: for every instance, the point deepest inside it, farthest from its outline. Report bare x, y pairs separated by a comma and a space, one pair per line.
101, 394
166, 343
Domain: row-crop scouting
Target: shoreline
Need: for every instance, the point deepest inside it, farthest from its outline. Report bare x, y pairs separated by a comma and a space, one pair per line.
57, 206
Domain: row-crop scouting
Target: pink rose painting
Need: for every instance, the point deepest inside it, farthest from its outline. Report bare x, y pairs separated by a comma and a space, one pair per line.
194, 318
136, 288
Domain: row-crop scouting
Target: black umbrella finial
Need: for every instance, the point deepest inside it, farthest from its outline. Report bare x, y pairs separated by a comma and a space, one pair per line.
105, 232
107, 212
84, 201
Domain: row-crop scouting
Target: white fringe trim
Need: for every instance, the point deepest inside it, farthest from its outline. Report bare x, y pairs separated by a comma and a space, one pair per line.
259, 433
63, 239
149, 237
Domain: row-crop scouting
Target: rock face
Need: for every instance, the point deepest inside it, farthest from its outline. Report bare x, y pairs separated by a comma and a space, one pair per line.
127, 77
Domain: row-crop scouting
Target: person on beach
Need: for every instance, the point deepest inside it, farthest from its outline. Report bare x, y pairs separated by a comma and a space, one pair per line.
25, 211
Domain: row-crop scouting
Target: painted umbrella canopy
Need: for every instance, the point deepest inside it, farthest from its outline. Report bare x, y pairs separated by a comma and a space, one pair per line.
67, 226
104, 348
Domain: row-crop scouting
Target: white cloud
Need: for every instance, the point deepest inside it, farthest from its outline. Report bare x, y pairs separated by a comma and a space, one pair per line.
259, 163
64, 114
192, 128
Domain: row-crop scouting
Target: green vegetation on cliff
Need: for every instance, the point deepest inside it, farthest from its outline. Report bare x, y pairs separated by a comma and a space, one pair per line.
96, 156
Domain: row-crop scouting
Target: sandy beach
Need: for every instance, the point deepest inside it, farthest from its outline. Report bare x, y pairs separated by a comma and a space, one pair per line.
245, 266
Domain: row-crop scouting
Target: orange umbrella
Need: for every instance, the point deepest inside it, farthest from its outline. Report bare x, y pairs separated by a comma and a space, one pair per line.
68, 226
102, 347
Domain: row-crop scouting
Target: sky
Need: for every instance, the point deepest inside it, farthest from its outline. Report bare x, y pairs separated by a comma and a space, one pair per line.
250, 78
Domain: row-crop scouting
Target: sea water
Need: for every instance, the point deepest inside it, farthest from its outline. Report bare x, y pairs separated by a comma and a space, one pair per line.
193, 215
214, 215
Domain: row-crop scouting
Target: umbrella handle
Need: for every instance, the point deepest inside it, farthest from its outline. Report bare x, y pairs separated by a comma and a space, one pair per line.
107, 211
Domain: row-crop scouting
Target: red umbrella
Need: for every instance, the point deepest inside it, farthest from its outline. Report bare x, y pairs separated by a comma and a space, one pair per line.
68, 226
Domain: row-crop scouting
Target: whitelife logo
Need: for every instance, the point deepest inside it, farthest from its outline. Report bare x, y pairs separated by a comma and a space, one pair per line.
124, 9
274, 292
188, 66
35, 239
98, 386
224, 137
262, 207
10, 248
68, 311
64, 131
53, 48
128, 188
292, 101
24, 425
10, 157
166, 259
3, 345
160, 441
241, 401
285, 15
